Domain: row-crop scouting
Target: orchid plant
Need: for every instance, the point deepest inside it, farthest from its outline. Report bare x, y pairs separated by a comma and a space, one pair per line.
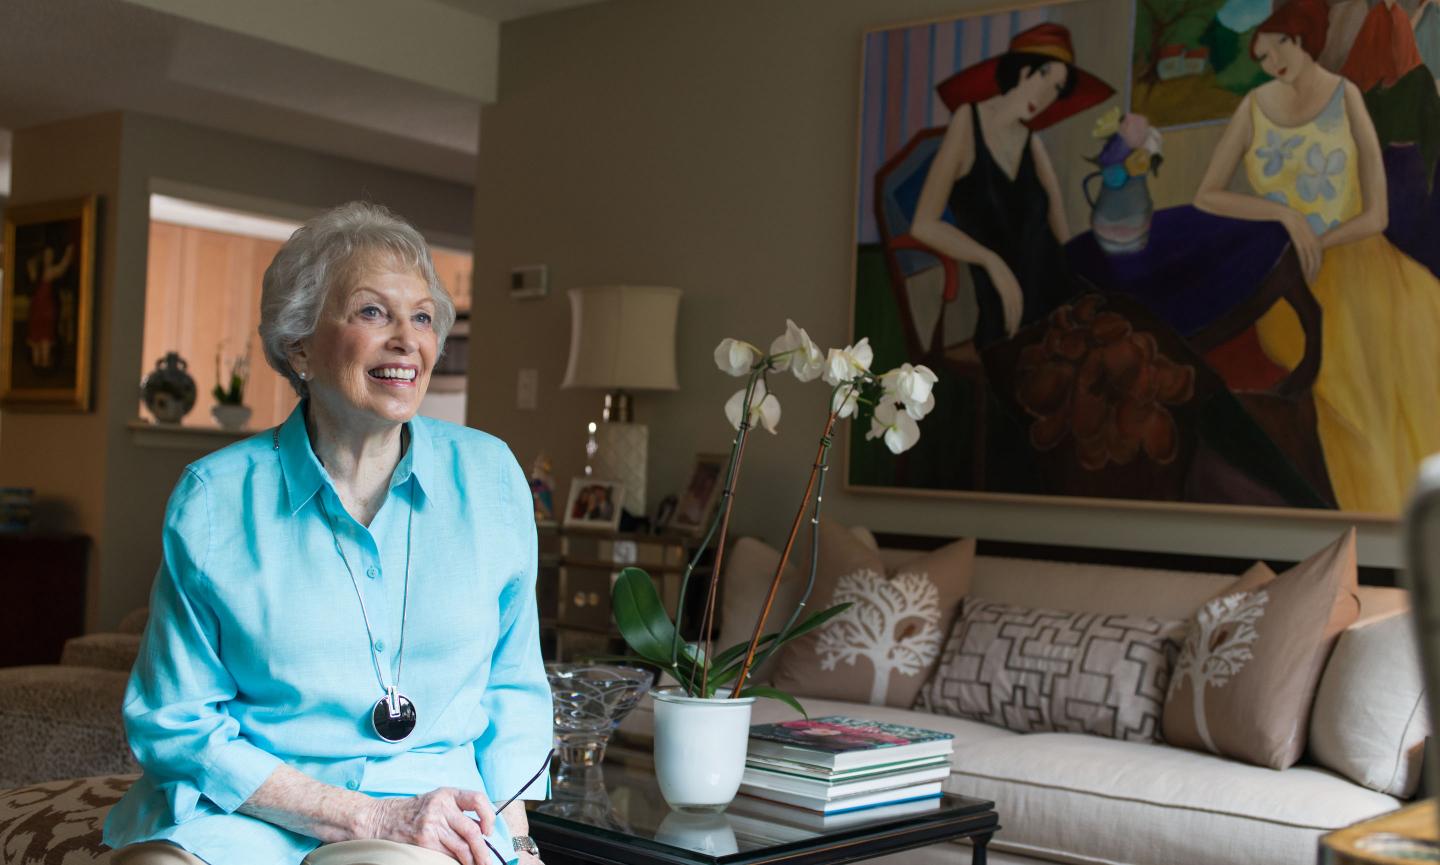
895, 401
232, 393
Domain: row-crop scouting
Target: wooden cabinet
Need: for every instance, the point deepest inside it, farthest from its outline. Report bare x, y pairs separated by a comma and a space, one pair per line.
43, 575
578, 568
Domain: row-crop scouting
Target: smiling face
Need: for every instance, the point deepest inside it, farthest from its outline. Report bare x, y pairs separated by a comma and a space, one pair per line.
1039, 87
374, 346
1280, 56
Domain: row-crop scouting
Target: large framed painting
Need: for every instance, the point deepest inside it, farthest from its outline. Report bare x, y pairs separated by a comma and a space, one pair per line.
1235, 316
45, 315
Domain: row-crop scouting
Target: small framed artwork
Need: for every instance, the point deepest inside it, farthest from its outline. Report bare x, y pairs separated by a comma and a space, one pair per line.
47, 305
692, 512
594, 504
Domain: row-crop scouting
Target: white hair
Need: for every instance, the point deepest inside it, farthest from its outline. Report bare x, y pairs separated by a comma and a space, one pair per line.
322, 252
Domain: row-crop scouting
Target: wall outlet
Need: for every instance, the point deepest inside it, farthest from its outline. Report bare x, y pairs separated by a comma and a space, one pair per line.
527, 390
532, 280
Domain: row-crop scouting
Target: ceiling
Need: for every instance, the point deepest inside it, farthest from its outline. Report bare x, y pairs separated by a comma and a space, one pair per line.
68, 58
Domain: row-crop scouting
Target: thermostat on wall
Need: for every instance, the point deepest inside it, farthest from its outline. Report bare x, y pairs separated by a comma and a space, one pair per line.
529, 281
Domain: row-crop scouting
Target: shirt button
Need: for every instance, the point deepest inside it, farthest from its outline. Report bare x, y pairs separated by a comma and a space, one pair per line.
353, 785
379, 645
372, 572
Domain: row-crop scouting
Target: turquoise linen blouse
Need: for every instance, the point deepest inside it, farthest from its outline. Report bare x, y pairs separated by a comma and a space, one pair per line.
256, 652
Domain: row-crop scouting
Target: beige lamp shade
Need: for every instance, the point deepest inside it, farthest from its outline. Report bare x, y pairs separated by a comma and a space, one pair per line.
622, 337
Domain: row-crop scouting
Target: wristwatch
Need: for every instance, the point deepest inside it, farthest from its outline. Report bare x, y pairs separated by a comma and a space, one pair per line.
525, 844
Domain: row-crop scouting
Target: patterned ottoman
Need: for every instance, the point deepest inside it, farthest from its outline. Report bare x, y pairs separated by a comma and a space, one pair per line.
58, 822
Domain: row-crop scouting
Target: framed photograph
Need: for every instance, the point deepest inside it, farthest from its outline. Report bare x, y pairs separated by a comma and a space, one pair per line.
594, 504
697, 501
48, 303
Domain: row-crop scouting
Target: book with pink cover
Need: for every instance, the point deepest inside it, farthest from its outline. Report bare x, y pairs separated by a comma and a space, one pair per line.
840, 742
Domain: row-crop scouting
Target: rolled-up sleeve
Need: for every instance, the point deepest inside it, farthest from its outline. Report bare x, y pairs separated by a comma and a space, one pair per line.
174, 712
517, 697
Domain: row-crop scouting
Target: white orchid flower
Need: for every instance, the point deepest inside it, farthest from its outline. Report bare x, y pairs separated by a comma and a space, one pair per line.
845, 401
843, 364
909, 384
735, 357
899, 429
795, 350
918, 410
764, 408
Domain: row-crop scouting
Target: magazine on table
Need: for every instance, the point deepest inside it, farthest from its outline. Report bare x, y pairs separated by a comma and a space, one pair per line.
750, 808
914, 792
757, 777
840, 742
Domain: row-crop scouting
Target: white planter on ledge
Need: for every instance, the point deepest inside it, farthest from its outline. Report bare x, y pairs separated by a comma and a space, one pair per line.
231, 417
700, 748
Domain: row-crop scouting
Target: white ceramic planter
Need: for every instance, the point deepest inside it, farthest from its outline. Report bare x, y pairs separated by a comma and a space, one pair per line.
700, 748
231, 417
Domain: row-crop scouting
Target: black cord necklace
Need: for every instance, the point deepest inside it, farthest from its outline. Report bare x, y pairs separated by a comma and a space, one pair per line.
394, 715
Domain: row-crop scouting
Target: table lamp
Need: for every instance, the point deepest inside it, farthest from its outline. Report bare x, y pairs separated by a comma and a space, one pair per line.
622, 338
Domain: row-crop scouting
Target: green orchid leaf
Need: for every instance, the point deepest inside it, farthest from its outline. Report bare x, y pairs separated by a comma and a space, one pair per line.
641, 617
775, 694
816, 621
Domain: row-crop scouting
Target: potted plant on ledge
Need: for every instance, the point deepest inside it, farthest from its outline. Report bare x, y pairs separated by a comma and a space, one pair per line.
702, 724
229, 409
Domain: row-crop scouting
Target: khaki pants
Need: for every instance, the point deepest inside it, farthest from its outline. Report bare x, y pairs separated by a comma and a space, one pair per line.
340, 853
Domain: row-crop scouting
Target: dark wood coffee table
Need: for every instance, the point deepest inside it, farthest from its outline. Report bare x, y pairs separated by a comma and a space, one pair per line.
615, 814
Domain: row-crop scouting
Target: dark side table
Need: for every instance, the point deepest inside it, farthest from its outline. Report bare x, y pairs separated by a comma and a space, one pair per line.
615, 814
42, 576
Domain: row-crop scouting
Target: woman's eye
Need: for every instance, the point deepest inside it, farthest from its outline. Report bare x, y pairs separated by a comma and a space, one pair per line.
423, 318
371, 311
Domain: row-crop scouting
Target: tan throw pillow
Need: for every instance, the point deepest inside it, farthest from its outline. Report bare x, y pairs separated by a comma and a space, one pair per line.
749, 568
1369, 722
1036, 671
1247, 671
884, 648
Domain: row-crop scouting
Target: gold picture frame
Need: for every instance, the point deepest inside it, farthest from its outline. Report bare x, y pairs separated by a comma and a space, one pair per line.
47, 306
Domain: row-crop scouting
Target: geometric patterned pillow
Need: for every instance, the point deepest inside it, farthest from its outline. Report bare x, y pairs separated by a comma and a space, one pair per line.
1037, 671
58, 822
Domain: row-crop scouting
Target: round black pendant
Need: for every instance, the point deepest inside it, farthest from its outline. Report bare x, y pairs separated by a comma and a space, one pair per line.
393, 728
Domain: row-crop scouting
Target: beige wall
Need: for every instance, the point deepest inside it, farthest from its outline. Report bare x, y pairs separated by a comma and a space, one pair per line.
711, 146
90, 462
63, 456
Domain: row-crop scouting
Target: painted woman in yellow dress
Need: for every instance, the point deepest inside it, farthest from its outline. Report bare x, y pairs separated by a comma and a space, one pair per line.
1313, 160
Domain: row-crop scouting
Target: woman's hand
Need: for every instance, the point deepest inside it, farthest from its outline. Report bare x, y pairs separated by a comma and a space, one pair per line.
436, 821
1307, 245
1012, 301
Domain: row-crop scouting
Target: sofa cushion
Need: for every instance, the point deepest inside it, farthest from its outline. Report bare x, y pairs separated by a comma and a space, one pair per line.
1087, 798
1034, 670
749, 568
638, 726
61, 722
1246, 676
59, 822
1369, 722
884, 648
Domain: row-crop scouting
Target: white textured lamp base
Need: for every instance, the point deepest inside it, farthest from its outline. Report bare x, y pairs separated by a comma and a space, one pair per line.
622, 454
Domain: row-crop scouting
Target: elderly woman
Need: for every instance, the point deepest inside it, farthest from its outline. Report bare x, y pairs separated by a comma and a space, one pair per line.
343, 653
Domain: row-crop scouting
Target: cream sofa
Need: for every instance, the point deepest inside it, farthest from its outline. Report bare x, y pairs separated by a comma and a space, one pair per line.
1067, 797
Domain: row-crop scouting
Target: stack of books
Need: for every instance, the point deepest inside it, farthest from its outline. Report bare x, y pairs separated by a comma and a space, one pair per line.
837, 764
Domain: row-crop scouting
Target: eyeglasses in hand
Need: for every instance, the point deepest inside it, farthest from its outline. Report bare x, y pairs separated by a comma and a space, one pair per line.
523, 787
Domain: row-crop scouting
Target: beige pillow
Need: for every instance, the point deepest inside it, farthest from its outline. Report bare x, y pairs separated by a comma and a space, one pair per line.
749, 568
884, 648
1035, 671
1369, 722
1247, 671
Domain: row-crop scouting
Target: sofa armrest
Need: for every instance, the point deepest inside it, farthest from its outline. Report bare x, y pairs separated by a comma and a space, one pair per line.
102, 651
61, 722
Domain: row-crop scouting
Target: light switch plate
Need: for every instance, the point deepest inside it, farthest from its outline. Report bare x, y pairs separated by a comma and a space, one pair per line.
527, 390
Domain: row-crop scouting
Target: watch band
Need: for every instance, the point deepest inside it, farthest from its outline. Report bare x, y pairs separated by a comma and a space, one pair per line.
526, 844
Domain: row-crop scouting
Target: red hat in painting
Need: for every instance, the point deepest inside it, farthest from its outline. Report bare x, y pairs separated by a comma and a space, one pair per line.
978, 83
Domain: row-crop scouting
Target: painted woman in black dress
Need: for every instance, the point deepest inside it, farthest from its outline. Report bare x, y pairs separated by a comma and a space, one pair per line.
995, 175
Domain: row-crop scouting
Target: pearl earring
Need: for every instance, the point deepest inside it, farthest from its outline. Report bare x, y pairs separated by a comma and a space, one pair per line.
304, 376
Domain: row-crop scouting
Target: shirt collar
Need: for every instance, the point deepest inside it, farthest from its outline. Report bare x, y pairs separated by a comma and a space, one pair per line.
304, 475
